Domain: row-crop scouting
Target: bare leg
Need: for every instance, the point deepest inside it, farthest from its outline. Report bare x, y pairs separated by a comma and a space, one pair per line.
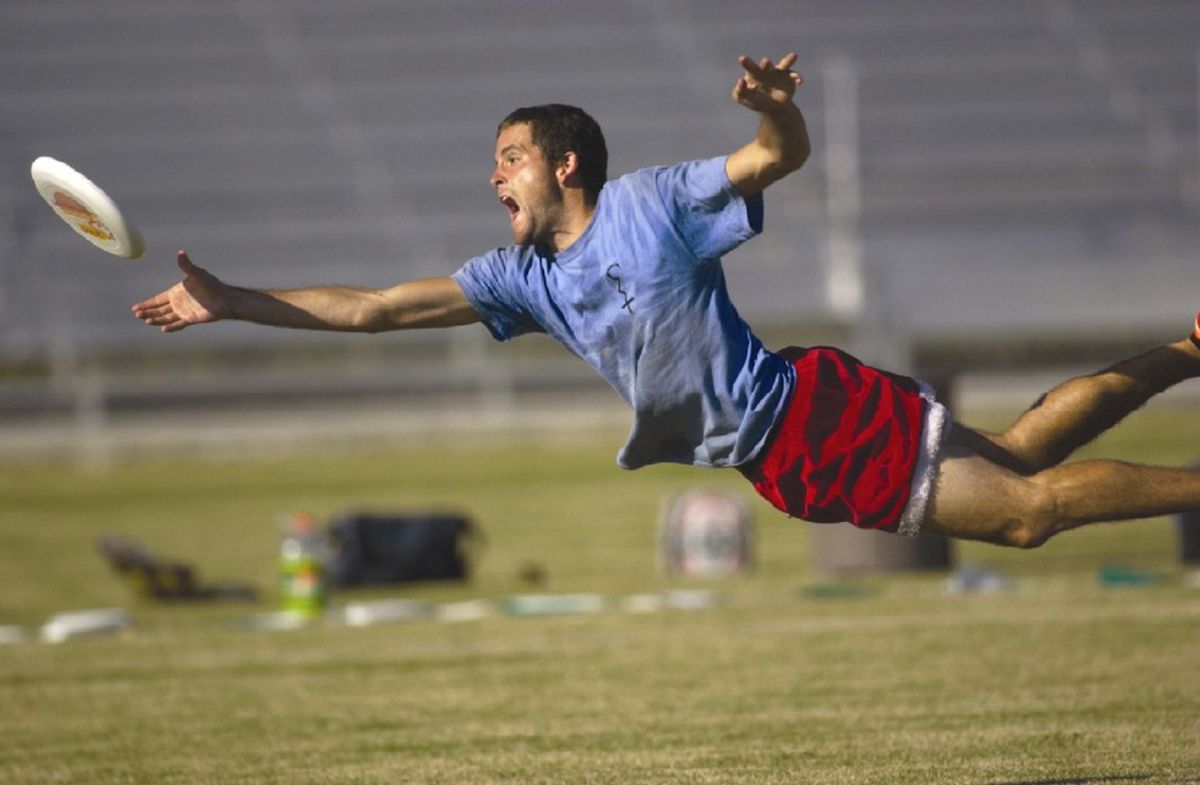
977, 499
1010, 488
1079, 410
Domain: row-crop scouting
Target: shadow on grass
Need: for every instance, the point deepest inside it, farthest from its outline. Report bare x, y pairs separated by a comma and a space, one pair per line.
1082, 780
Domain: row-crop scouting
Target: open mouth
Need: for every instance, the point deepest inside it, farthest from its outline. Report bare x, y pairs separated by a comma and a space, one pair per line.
511, 205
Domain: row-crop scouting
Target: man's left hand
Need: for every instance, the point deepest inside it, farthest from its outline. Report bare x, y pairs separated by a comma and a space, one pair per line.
766, 86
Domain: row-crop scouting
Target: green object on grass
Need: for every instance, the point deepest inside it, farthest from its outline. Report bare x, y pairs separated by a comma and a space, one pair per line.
303, 579
1129, 576
837, 591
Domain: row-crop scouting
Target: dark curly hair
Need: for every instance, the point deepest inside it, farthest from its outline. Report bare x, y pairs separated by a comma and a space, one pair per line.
558, 129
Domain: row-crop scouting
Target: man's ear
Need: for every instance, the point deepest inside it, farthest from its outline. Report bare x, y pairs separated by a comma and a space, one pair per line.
567, 171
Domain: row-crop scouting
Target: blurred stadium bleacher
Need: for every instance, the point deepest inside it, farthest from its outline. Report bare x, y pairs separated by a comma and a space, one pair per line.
1023, 163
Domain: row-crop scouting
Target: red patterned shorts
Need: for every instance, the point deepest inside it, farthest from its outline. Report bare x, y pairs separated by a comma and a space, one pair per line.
855, 444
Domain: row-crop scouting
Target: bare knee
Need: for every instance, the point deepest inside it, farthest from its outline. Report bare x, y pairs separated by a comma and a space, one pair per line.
1035, 521
1023, 535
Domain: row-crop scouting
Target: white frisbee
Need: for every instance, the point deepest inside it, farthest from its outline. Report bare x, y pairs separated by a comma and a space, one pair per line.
86, 208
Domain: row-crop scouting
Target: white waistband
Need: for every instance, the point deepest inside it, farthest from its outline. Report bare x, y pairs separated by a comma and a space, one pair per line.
933, 429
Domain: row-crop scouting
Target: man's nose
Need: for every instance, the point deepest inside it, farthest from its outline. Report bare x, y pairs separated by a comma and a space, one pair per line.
496, 178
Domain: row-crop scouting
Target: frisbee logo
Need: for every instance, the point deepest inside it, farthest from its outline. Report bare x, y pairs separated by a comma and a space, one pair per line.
84, 219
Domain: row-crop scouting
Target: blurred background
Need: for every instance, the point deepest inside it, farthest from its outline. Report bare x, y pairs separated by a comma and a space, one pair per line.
1001, 193
997, 190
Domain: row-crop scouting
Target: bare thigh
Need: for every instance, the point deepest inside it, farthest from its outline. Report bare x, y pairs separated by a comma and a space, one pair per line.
976, 498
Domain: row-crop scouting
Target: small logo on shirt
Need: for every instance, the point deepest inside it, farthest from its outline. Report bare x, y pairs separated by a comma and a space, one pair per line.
613, 274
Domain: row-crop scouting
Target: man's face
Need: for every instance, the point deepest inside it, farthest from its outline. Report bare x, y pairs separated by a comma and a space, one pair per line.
526, 185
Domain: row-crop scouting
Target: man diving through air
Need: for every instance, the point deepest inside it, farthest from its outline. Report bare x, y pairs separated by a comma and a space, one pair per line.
627, 275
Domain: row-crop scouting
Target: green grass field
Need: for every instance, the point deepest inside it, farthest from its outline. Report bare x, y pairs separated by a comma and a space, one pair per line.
1062, 680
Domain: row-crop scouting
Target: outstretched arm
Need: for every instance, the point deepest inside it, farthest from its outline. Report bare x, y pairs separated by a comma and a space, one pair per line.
781, 145
201, 297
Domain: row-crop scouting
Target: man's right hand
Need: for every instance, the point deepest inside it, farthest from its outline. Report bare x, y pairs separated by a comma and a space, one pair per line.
200, 297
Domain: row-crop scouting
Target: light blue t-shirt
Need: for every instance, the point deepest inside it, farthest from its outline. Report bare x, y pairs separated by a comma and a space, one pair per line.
641, 297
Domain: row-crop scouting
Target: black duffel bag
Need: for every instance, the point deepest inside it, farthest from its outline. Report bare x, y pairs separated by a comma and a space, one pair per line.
384, 548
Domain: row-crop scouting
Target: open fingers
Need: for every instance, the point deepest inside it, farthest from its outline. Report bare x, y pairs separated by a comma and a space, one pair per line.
154, 312
172, 325
752, 68
158, 301
758, 70
167, 321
